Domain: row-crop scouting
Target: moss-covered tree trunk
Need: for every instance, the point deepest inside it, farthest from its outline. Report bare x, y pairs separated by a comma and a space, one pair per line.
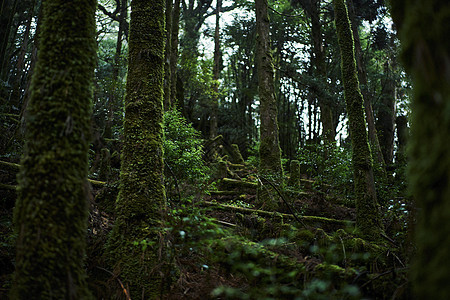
141, 201
362, 76
51, 212
216, 74
367, 213
424, 31
269, 148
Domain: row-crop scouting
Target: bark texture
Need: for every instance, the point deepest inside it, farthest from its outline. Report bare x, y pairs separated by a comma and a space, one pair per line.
141, 201
367, 214
269, 148
51, 212
269, 151
423, 27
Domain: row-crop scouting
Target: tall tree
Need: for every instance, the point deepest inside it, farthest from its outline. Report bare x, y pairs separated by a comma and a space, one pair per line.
51, 212
367, 213
386, 114
423, 27
174, 98
216, 74
362, 74
141, 201
269, 148
167, 56
318, 60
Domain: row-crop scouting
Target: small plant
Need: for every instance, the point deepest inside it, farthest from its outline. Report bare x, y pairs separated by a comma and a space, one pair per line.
183, 153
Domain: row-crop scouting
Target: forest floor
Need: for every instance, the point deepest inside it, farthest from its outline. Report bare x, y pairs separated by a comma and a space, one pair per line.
223, 245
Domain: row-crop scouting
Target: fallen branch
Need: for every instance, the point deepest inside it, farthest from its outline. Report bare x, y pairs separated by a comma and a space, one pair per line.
307, 219
14, 168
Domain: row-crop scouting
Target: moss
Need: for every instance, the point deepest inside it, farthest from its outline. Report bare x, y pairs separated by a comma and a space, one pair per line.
236, 154
368, 219
294, 179
269, 148
104, 171
51, 212
141, 201
424, 30
335, 272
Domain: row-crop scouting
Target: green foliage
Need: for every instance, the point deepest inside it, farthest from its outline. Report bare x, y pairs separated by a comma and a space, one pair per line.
329, 164
183, 151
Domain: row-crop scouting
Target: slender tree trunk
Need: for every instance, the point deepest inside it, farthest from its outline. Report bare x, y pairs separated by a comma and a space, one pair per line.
423, 27
367, 214
167, 56
141, 202
174, 99
17, 95
326, 116
112, 101
8, 9
269, 149
386, 115
51, 212
362, 75
216, 74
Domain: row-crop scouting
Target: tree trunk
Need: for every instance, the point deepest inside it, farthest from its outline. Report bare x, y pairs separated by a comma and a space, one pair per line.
362, 75
326, 116
167, 56
269, 148
386, 116
367, 214
52, 208
216, 74
141, 202
174, 100
423, 30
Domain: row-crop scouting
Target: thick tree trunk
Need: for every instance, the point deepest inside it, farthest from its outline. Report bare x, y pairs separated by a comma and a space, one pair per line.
424, 31
141, 202
367, 214
52, 208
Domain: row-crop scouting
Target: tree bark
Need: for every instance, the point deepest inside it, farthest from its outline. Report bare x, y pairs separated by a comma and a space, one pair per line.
367, 214
269, 148
269, 151
423, 31
167, 56
174, 99
362, 75
386, 116
141, 202
216, 74
51, 212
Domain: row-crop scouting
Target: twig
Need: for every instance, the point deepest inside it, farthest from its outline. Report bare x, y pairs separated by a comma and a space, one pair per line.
175, 178
125, 291
284, 200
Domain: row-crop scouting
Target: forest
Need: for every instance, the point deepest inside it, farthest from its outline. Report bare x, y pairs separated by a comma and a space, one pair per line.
224, 149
